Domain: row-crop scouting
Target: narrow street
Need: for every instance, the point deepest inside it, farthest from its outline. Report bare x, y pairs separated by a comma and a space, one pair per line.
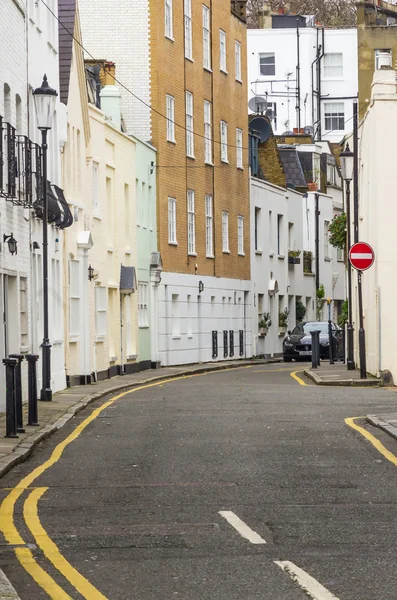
244, 484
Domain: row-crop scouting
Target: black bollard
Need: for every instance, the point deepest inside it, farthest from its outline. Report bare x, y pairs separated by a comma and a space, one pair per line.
331, 343
315, 349
11, 415
18, 391
32, 378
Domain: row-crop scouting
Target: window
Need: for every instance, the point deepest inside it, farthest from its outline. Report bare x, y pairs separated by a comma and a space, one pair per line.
280, 245
191, 223
209, 224
189, 125
143, 311
326, 239
377, 52
100, 311
331, 172
340, 255
74, 298
291, 240
57, 302
225, 232
206, 38
240, 235
333, 65
257, 224
172, 221
170, 102
188, 30
224, 142
334, 116
271, 112
207, 133
237, 54
222, 50
23, 309
95, 187
176, 325
271, 231
239, 148
169, 31
267, 63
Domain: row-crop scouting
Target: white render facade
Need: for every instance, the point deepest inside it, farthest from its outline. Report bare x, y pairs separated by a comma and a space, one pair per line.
283, 220
377, 219
272, 73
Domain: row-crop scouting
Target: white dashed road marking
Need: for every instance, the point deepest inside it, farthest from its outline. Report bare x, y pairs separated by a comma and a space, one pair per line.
312, 587
241, 527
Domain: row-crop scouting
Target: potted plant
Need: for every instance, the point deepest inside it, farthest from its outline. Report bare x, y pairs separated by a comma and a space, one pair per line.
312, 186
283, 321
294, 257
300, 311
264, 324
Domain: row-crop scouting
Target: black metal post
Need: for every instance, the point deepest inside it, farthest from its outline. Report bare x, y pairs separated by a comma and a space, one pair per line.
11, 414
46, 392
355, 172
350, 331
32, 379
18, 392
361, 331
330, 336
315, 348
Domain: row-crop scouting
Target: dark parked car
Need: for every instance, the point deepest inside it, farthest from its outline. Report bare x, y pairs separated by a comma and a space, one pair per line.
298, 343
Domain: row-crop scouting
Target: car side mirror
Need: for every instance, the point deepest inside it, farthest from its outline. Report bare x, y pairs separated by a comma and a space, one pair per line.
289, 333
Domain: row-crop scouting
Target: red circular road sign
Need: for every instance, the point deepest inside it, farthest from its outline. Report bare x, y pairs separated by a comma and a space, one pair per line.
361, 256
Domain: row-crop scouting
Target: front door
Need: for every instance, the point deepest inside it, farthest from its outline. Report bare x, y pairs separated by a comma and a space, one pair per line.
9, 330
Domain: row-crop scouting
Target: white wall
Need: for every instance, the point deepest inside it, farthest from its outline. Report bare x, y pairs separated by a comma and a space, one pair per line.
185, 325
283, 42
101, 39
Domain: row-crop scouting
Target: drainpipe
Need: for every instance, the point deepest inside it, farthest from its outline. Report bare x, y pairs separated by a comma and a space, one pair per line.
298, 76
319, 128
317, 240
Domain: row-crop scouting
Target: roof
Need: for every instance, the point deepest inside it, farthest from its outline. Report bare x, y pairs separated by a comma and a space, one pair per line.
67, 16
292, 166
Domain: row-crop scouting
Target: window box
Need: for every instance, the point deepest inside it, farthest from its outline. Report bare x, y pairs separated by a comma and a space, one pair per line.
294, 260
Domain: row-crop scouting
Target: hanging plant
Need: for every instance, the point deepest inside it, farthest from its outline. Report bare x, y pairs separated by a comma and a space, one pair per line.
337, 230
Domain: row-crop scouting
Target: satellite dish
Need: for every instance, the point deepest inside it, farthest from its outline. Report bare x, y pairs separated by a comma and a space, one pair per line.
262, 126
258, 104
309, 130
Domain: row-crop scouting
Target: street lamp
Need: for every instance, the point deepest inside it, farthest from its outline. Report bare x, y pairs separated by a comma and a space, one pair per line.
347, 168
45, 101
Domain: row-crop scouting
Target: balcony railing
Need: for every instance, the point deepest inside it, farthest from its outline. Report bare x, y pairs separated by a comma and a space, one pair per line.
239, 9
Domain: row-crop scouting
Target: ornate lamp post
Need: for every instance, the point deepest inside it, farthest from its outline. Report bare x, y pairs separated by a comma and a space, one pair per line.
45, 101
347, 167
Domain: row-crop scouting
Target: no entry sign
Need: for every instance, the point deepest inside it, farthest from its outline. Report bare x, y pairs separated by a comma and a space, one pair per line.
361, 256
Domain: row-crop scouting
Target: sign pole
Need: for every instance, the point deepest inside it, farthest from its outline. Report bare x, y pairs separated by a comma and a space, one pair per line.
361, 331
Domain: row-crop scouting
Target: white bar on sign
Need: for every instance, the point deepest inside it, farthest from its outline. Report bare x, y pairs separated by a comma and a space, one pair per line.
360, 255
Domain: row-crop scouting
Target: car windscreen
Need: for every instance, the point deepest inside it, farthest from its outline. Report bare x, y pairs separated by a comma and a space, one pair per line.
322, 327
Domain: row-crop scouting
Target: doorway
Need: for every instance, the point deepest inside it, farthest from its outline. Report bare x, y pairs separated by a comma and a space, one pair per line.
9, 326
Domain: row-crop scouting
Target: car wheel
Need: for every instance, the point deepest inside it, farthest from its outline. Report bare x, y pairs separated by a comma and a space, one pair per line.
287, 359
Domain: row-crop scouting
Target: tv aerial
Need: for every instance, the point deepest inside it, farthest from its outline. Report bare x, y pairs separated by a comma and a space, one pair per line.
258, 105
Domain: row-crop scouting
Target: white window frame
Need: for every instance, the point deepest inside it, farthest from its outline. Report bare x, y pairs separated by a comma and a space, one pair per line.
222, 51
172, 221
209, 227
189, 125
188, 30
143, 306
225, 232
191, 224
207, 133
333, 113
169, 27
326, 239
224, 155
206, 38
170, 108
240, 235
74, 300
267, 55
333, 65
237, 55
379, 51
239, 148
101, 304
95, 188
23, 311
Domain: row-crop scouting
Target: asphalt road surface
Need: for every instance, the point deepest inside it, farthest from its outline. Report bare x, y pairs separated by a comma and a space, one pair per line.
236, 485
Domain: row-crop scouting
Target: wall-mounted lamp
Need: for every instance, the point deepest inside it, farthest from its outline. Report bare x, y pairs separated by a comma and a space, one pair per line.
36, 246
91, 273
12, 243
201, 287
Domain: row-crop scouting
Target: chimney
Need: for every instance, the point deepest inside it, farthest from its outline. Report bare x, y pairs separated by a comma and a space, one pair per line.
384, 80
110, 95
265, 16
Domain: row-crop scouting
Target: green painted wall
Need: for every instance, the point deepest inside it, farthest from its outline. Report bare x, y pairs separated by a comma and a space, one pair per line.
146, 233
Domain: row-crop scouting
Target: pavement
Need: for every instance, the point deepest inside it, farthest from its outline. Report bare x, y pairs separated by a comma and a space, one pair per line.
241, 484
338, 375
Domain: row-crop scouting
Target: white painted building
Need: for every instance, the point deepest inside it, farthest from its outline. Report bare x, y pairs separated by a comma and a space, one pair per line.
327, 77
377, 225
